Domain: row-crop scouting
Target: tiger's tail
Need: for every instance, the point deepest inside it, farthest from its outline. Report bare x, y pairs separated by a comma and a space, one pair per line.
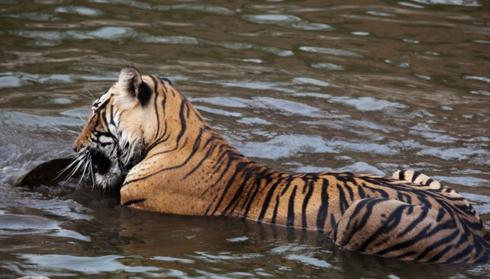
417, 178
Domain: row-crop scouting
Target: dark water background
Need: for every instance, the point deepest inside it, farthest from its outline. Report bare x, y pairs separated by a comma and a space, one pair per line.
364, 86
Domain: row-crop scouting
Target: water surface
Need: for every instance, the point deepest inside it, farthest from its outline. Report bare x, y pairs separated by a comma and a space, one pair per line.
297, 85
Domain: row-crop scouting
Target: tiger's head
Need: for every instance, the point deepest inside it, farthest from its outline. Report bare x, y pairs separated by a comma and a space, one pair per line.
120, 128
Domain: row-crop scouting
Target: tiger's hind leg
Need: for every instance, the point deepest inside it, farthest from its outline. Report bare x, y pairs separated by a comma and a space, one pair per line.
395, 229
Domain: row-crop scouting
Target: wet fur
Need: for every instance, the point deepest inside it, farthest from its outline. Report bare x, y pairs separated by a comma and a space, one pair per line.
170, 161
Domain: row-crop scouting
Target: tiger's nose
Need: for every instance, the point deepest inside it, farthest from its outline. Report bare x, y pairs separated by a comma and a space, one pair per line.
81, 142
77, 146
83, 138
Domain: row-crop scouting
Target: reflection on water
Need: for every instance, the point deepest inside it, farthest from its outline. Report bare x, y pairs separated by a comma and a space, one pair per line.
298, 85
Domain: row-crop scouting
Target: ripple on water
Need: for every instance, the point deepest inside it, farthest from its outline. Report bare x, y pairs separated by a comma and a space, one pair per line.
312, 81
478, 78
106, 33
381, 14
254, 121
173, 259
53, 38
287, 107
464, 180
54, 123
276, 51
293, 21
327, 66
455, 153
272, 18
210, 9
9, 81
304, 259
256, 85
367, 103
224, 256
289, 145
83, 11
467, 3
331, 51
269, 103
37, 16
291, 247
481, 203
218, 111
304, 25
285, 146
15, 224
85, 265
357, 167
360, 33
431, 135
233, 102
480, 92
243, 46
18, 79
176, 40
237, 239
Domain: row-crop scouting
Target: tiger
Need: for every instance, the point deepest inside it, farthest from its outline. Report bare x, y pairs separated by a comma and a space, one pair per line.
146, 140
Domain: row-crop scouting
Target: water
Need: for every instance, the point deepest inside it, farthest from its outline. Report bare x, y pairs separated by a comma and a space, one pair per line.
297, 85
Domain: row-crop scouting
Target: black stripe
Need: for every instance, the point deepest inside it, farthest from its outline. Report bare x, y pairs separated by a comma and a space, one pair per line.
166, 79
440, 214
360, 192
276, 206
239, 168
429, 181
415, 175
459, 256
323, 210
342, 201
415, 222
290, 220
195, 147
204, 157
402, 245
445, 240
258, 179
310, 186
349, 191
183, 121
367, 205
235, 200
183, 127
401, 175
155, 106
267, 200
333, 222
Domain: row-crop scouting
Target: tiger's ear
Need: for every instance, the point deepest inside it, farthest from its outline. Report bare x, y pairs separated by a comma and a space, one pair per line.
131, 82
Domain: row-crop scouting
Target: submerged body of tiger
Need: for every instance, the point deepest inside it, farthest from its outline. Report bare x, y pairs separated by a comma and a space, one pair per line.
145, 135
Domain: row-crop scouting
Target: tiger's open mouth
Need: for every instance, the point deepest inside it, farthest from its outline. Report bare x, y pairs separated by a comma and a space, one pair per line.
101, 163
100, 169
